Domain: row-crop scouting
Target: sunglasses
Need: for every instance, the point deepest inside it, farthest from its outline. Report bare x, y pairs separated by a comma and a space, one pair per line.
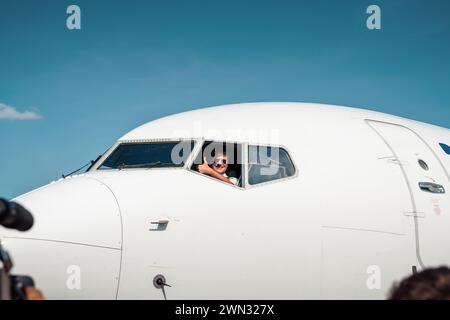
220, 162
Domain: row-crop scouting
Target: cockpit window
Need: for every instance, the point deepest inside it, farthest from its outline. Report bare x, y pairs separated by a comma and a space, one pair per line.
220, 160
268, 163
149, 155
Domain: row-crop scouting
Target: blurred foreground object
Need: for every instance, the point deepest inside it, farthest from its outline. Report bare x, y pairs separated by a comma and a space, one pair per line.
429, 284
33, 294
15, 216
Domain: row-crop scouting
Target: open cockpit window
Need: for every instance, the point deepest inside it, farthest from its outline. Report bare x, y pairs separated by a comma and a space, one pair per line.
149, 155
220, 160
267, 164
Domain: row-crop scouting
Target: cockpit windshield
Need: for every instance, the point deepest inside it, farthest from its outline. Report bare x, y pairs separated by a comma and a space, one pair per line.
149, 155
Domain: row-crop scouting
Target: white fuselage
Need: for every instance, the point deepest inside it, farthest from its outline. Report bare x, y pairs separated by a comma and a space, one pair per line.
355, 217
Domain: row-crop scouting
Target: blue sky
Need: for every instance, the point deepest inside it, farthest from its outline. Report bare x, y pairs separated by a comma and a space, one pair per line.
135, 61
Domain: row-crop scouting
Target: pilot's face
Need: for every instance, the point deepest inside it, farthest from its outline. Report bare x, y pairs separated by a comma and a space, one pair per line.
220, 164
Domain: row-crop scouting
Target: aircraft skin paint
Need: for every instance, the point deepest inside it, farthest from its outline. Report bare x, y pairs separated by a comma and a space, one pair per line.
350, 222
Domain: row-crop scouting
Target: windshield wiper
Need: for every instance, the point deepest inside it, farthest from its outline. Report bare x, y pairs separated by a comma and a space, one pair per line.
90, 164
93, 162
145, 165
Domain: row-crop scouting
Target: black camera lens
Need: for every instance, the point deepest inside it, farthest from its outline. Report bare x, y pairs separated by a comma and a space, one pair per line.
14, 216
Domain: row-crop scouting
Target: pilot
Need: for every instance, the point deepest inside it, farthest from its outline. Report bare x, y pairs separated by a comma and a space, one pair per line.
218, 168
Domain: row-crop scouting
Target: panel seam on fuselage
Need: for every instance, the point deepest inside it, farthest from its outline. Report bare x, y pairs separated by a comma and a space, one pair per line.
62, 241
405, 176
121, 233
364, 230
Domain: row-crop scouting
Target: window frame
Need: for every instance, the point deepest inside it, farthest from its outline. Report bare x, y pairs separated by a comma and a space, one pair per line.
116, 145
201, 143
198, 145
280, 146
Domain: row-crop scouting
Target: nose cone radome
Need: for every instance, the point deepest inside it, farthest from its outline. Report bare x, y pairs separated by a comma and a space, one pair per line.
78, 210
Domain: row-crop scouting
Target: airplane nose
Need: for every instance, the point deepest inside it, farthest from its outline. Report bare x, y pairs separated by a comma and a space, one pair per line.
79, 210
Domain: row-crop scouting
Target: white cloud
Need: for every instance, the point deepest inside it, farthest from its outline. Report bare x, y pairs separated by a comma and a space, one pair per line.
10, 113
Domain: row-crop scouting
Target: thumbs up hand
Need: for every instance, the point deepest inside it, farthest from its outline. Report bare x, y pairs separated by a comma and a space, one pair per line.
204, 167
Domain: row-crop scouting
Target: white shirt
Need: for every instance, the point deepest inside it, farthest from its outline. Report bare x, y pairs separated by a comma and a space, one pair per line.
233, 180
